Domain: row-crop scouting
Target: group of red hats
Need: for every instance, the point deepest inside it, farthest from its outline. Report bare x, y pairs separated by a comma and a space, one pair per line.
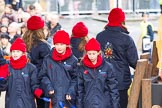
115, 18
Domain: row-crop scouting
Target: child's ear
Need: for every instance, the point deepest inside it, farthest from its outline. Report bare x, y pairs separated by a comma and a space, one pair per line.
99, 52
69, 46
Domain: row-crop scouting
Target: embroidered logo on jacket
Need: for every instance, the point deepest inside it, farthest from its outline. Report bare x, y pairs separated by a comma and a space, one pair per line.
67, 66
108, 51
102, 73
24, 74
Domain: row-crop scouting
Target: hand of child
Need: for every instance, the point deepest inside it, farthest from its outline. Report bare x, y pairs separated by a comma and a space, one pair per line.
4, 71
38, 92
68, 97
51, 92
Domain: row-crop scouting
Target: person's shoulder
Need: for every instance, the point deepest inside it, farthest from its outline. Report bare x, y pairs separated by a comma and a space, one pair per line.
72, 59
30, 65
44, 44
101, 34
73, 56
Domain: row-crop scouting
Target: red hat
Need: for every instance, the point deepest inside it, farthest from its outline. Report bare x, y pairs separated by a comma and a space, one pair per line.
92, 44
61, 37
18, 45
116, 17
80, 30
35, 23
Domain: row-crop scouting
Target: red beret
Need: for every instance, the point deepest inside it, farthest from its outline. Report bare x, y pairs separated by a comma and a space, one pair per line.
92, 44
35, 23
116, 17
18, 45
80, 30
61, 37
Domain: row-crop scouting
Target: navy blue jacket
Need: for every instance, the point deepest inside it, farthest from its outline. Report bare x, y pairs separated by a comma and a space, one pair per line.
97, 88
75, 43
20, 86
38, 52
59, 76
119, 49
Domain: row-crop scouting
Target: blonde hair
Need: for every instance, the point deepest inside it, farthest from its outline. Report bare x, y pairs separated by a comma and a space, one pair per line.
31, 37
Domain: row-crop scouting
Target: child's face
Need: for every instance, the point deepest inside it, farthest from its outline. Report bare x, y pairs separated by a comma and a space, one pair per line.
5, 21
3, 29
7, 10
4, 41
92, 55
60, 48
16, 54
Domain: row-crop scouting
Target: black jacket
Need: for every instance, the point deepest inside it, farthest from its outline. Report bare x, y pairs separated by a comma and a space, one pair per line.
60, 77
97, 88
119, 49
20, 86
38, 52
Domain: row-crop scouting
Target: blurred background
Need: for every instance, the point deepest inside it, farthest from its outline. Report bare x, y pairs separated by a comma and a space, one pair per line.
91, 6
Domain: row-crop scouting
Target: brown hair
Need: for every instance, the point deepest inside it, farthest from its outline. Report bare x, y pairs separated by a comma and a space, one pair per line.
81, 46
31, 37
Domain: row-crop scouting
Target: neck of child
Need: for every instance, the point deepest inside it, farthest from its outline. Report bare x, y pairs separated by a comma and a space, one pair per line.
94, 62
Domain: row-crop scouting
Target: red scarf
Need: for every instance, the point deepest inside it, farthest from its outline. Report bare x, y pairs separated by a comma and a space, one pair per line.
60, 57
89, 64
19, 63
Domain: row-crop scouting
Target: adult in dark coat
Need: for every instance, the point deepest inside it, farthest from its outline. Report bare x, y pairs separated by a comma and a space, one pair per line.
58, 72
37, 46
54, 26
97, 86
21, 79
12, 30
79, 39
119, 49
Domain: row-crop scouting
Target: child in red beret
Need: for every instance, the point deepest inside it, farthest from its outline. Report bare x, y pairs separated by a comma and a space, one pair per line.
97, 86
21, 80
79, 39
58, 73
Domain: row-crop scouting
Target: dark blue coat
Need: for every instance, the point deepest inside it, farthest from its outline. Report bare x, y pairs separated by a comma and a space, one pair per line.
75, 43
20, 86
97, 88
60, 77
38, 52
119, 49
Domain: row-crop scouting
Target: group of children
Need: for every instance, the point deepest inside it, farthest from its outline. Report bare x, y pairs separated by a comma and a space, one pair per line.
91, 84
73, 73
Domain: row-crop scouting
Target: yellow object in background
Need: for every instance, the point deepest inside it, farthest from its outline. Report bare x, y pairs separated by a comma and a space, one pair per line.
160, 29
159, 50
158, 43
